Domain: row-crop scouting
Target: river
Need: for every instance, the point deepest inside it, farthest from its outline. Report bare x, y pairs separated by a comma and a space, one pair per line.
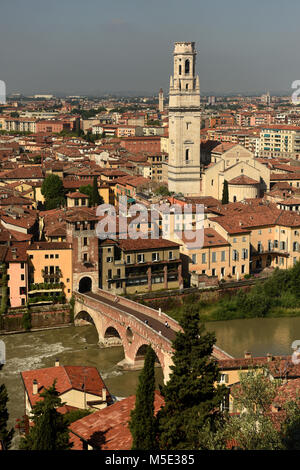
78, 346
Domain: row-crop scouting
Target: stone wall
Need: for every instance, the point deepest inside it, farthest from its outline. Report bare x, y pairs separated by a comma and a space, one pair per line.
39, 319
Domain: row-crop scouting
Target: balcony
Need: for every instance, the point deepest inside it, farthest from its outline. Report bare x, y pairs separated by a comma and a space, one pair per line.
268, 250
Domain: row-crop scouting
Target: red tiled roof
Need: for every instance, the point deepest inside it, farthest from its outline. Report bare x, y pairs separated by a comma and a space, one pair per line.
243, 180
109, 425
67, 378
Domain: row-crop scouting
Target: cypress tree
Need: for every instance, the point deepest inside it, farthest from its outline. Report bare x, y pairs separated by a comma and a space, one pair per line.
191, 412
50, 430
5, 434
96, 199
225, 195
142, 423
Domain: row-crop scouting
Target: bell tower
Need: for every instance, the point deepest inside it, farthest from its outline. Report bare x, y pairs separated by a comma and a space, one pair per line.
184, 123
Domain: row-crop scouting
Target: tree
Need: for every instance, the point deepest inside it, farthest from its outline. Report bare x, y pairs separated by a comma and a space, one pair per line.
50, 429
142, 423
162, 191
192, 399
6, 435
95, 199
88, 190
53, 191
225, 195
4, 298
252, 428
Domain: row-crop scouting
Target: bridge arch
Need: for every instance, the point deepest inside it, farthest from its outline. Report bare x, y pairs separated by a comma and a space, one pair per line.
85, 316
111, 332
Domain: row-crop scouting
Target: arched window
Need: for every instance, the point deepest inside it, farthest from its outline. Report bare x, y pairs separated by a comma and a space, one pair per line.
187, 155
187, 67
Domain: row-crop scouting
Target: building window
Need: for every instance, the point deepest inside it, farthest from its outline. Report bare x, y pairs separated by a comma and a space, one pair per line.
233, 269
214, 257
56, 256
51, 256
85, 241
141, 258
244, 253
222, 255
155, 256
128, 259
187, 67
47, 256
222, 271
109, 259
171, 255
243, 268
235, 255
203, 258
109, 273
22, 277
194, 258
187, 152
85, 257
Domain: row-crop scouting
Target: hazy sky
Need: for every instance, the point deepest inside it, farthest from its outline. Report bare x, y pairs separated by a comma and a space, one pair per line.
91, 46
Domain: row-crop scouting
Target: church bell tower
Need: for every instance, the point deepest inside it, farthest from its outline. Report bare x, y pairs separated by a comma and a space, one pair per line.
184, 123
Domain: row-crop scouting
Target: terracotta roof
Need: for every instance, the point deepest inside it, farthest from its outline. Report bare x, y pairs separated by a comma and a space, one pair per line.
77, 195
107, 429
243, 180
50, 246
67, 378
146, 244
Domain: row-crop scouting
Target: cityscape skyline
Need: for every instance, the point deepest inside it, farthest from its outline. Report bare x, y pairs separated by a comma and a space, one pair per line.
90, 50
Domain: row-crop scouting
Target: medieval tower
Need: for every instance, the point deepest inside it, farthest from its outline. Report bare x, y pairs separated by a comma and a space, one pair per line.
161, 101
184, 123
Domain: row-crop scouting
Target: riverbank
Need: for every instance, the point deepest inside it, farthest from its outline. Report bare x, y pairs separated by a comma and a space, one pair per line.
35, 318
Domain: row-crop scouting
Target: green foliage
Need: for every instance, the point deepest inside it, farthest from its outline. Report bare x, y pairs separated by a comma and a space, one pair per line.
225, 195
26, 320
95, 199
72, 306
6, 435
74, 415
4, 298
50, 430
86, 114
191, 412
162, 191
53, 191
142, 423
253, 428
88, 190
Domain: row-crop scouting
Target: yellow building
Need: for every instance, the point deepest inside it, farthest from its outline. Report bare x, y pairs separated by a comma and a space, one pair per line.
50, 263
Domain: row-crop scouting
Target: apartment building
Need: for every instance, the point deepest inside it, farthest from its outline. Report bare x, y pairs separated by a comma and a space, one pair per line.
280, 141
142, 265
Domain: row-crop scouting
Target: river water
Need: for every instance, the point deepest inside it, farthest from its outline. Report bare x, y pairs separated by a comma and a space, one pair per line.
78, 346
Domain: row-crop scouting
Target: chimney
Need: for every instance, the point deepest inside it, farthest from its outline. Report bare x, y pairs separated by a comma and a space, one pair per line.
248, 355
269, 357
103, 394
34, 387
56, 362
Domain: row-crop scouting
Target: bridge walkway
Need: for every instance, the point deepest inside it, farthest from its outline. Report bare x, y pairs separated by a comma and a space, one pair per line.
153, 323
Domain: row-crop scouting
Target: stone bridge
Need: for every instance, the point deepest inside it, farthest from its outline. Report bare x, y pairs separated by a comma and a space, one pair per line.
120, 321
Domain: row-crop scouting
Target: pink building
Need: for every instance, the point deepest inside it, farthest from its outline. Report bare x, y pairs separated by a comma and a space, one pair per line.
17, 271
